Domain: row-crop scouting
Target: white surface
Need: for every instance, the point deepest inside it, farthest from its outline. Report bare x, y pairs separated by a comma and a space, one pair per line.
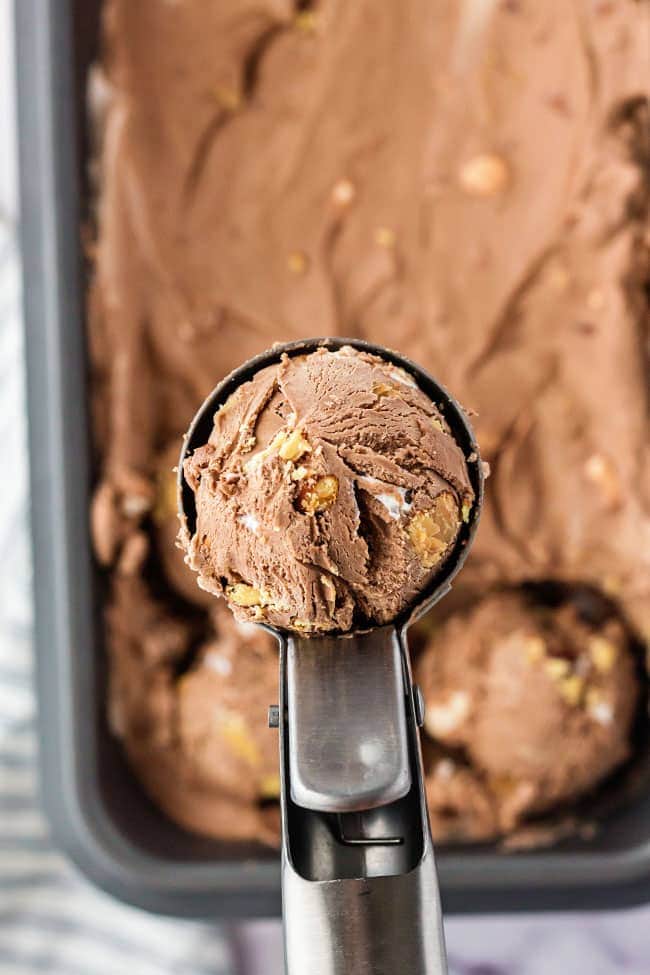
53, 921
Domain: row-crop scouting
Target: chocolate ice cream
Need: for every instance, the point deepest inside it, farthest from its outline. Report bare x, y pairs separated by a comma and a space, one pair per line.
462, 809
539, 702
197, 738
268, 169
222, 712
329, 493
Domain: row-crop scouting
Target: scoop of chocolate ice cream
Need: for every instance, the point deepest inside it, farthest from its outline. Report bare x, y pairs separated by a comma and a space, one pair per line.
199, 742
540, 702
329, 493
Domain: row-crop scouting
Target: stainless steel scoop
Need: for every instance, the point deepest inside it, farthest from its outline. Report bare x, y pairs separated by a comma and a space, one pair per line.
359, 885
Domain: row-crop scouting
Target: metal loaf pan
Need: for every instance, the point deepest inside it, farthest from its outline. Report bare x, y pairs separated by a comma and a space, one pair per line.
98, 814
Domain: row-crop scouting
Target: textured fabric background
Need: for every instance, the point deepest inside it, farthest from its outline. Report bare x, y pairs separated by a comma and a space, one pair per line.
51, 920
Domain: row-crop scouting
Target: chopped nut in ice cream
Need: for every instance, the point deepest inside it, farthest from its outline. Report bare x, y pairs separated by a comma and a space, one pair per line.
557, 668
269, 786
242, 594
294, 447
383, 389
343, 192
235, 732
602, 473
385, 237
306, 20
318, 495
484, 175
571, 689
289, 445
297, 263
535, 648
603, 653
433, 531
228, 98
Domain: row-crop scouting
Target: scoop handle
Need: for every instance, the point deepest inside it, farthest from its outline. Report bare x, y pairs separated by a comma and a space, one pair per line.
359, 887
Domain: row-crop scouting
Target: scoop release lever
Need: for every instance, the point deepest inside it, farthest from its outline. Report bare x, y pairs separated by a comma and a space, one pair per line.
348, 746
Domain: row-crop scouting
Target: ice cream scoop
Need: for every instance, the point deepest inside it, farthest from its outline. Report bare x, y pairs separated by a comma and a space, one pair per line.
360, 892
328, 495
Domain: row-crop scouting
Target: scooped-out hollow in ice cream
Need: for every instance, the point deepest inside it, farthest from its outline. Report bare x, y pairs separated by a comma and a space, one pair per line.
329, 494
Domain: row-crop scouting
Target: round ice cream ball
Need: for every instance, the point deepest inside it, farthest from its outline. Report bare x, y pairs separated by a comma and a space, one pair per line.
222, 712
328, 496
541, 702
148, 710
